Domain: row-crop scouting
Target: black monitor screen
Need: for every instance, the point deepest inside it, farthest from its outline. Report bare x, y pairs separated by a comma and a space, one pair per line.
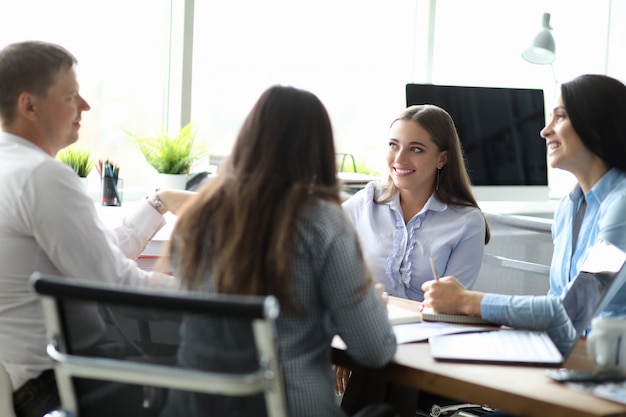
498, 127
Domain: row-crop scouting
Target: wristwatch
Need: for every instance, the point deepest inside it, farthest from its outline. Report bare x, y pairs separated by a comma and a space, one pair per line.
156, 203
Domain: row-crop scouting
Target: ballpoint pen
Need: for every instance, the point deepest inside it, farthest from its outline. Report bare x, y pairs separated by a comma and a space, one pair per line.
434, 268
435, 275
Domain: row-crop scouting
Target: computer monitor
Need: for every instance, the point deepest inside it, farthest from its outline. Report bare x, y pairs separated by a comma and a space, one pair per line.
499, 130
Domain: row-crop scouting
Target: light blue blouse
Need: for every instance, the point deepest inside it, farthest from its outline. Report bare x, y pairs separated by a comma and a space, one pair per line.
398, 253
604, 197
605, 218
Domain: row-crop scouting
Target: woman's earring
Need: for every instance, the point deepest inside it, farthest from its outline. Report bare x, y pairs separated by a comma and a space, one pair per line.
437, 183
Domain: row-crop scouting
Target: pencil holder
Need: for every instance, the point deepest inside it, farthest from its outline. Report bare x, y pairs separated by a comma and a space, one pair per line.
112, 191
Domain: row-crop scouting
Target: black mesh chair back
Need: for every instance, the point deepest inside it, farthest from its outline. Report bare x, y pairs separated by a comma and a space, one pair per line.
137, 352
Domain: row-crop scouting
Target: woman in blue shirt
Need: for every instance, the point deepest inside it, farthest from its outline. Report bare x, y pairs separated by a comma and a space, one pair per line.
426, 208
586, 135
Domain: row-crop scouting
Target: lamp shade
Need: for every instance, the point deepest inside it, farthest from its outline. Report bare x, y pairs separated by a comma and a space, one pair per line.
542, 49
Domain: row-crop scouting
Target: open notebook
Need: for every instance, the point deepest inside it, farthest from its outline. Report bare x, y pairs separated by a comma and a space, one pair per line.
589, 293
402, 315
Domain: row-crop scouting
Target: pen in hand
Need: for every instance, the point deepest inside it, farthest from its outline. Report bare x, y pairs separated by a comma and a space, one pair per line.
435, 275
434, 268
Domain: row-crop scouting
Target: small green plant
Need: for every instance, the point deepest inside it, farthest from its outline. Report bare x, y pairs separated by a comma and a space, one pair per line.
363, 168
171, 154
79, 159
347, 163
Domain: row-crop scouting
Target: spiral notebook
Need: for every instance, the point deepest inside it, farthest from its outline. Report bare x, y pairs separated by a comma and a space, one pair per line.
429, 315
589, 293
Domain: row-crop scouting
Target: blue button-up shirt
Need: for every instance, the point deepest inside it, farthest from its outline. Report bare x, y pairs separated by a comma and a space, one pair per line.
605, 218
608, 191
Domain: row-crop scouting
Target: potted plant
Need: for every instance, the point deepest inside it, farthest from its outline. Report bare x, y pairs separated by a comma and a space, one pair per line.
79, 159
171, 156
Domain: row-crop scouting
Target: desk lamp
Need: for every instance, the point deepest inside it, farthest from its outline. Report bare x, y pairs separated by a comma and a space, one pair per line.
542, 49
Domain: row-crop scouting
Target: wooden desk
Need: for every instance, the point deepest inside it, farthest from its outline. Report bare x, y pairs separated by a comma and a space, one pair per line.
520, 390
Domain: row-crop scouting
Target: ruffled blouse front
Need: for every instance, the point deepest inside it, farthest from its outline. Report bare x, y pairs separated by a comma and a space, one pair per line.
398, 253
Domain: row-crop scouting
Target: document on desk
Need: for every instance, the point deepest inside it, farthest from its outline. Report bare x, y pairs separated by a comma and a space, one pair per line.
410, 325
402, 315
421, 332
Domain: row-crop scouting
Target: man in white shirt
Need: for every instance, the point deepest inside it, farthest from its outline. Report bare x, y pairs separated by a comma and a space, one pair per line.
47, 222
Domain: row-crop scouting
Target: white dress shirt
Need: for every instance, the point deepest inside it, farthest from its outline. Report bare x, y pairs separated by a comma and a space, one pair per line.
49, 224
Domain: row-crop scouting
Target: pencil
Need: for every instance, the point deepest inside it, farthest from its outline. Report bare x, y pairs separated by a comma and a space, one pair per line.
434, 268
114, 185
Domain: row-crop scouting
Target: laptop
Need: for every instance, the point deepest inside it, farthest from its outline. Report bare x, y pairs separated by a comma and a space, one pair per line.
588, 294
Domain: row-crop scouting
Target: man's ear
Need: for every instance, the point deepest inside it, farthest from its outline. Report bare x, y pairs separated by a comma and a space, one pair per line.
26, 105
443, 159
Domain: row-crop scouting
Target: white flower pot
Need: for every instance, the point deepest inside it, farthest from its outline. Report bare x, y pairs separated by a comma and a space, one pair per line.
171, 181
84, 181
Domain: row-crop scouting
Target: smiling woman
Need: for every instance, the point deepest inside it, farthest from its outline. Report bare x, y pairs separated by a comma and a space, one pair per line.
422, 221
425, 208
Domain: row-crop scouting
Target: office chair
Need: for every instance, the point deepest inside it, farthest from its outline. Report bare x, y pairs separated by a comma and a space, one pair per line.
6, 393
261, 312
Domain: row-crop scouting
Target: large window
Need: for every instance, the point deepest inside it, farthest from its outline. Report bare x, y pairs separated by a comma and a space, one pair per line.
479, 42
122, 49
355, 55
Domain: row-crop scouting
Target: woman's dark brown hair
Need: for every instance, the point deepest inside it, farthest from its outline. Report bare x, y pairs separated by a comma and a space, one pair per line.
239, 229
596, 106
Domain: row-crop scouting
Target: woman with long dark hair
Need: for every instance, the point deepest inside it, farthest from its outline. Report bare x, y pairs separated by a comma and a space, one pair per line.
271, 223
